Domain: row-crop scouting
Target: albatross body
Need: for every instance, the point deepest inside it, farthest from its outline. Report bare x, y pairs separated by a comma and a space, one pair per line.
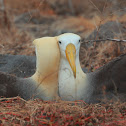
74, 84
43, 84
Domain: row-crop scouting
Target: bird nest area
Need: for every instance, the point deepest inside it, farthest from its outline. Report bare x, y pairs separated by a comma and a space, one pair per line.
16, 111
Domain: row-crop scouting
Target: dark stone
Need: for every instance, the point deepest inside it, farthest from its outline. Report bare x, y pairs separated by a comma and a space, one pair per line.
19, 65
107, 30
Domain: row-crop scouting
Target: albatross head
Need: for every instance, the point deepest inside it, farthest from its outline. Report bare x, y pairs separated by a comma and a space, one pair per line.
69, 45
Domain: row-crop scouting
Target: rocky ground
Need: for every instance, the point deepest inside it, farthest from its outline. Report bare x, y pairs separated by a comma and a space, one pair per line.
23, 21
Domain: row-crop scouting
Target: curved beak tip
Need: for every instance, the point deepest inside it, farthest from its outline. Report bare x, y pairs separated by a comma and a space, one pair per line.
74, 75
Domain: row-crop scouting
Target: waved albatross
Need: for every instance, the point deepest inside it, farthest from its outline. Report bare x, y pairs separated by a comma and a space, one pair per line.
74, 84
43, 84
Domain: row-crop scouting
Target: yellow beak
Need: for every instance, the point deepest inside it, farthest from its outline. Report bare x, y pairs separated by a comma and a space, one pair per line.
71, 57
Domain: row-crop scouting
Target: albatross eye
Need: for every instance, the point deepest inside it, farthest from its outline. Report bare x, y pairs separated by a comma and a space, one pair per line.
79, 41
59, 42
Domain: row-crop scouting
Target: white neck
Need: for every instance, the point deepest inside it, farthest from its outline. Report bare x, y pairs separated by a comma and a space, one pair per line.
71, 88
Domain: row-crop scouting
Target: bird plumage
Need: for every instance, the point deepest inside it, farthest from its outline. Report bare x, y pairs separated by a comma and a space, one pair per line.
108, 81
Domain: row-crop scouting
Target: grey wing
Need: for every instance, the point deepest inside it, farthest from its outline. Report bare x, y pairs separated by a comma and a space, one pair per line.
12, 86
112, 76
7, 85
119, 74
19, 65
